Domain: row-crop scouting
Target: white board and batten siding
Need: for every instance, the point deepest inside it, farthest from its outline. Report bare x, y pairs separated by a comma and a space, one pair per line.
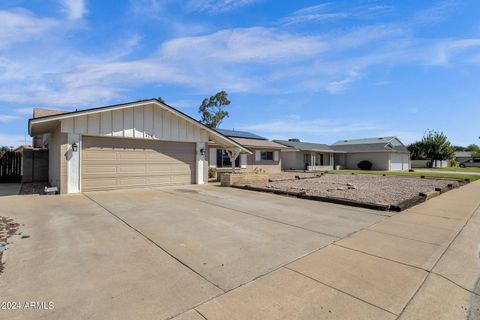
143, 122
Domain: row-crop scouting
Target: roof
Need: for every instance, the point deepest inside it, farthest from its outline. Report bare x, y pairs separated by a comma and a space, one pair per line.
240, 134
41, 112
463, 154
56, 117
257, 143
365, 141
377, 144
307, 146
370, 147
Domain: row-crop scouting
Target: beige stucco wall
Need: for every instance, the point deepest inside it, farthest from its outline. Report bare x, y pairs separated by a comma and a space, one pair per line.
57, 146
267, 166
294, 160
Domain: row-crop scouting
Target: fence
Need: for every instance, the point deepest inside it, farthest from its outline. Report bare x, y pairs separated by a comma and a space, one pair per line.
11, 167
426, 163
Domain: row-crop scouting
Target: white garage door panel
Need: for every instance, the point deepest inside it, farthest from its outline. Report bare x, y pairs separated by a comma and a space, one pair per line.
396, 162
112, 163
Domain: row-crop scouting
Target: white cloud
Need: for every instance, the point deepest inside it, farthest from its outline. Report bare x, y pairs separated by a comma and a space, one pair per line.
74, 9
10, 140
215, 6
329, 12
7, 118
297, 126
437, 12
447, 50
244, 45
256, 59
19, 25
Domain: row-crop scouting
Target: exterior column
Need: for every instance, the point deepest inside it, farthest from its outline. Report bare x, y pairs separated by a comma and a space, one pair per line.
73, 163
200, 159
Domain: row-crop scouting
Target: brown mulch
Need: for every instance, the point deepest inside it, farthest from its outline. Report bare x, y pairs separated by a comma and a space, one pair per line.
8, 228
33, 188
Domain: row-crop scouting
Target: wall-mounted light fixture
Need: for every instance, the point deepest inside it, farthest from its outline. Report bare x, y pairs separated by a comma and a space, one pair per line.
74, 147
202, 152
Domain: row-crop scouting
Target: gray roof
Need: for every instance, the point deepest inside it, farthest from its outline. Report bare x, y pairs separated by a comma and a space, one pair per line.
463, 154
378, 144
240, 134
370, 147
365, 141
307, 146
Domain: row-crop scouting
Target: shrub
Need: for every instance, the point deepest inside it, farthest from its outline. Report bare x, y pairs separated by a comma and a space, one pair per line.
212, 173
365, 165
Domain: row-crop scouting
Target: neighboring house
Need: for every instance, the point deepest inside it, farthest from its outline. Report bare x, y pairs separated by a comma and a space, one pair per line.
306, 155
136, 144
461, 156
385, 153
265, 156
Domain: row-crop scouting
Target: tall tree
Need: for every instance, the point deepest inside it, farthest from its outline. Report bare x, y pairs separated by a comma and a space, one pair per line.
417, 151
213, 109
473, 148
435, 146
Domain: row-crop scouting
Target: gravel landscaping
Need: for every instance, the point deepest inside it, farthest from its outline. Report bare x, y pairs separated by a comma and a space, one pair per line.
33, 188
365, 188
8, 227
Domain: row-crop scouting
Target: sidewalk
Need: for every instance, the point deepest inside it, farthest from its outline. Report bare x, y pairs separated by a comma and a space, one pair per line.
419, 264
448, 172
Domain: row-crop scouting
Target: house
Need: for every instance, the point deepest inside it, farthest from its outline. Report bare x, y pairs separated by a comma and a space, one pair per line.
385, 153
461, 156
264, 157
135, 144
306, 155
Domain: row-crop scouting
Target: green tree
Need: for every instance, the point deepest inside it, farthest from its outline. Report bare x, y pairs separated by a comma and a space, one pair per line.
458, 148
473, 148
435, 146
417, 151
213, 109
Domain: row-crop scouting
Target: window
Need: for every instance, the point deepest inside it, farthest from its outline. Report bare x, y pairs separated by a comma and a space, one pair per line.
307, 158
223, 160
266, 155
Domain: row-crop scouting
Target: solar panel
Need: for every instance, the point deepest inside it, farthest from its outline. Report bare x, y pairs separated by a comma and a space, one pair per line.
240, 134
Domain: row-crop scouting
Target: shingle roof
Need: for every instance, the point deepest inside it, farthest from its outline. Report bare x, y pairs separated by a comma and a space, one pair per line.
240, 134
306, 146
463, 154
379, 144
258, 143
370, 147
364, 141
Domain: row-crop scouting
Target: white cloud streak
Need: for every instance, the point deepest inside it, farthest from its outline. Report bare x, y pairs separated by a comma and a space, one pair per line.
74, 9
8, 118
19, 25
216, 6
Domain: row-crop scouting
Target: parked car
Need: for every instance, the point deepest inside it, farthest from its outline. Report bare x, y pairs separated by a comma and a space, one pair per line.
470, 163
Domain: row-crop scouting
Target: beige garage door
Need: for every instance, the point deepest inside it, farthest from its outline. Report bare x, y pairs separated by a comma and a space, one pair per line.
114, 163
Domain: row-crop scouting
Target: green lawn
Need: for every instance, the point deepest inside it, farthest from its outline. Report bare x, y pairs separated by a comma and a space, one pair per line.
454, 169
412, 174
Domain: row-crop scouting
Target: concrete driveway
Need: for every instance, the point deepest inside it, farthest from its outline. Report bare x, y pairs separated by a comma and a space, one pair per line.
205, 252
154, 253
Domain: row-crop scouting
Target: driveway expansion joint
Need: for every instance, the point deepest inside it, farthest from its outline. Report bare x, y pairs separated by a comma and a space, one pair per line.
439, 258
376, 256
339, 290
257, 216
406, 238
154, 243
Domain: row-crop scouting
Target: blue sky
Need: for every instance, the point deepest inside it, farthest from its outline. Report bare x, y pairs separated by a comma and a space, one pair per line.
319, 71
